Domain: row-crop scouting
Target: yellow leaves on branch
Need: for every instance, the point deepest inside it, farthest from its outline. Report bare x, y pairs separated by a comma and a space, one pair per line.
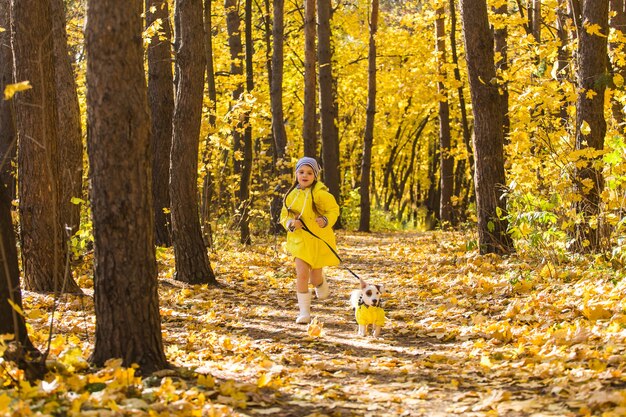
11, 89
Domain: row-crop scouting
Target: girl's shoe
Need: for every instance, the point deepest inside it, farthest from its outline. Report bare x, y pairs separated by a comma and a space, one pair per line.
304, 303
322, 291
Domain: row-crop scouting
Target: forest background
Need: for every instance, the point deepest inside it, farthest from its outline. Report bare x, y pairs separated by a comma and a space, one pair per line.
506, 122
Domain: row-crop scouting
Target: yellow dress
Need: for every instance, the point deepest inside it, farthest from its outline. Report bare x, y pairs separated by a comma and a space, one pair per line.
300, 243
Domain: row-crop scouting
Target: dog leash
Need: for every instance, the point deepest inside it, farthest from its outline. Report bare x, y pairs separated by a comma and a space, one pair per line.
306, 228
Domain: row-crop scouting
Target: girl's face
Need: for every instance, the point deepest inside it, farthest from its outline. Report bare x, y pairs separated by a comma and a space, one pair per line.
305, 176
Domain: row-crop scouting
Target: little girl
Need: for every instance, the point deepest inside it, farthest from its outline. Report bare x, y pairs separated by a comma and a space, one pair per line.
308, 203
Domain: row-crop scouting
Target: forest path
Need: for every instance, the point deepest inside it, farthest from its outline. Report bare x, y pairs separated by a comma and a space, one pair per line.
466, 335
432, 358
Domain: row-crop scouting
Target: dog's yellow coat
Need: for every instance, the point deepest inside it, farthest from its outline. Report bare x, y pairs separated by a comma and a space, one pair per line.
366, 315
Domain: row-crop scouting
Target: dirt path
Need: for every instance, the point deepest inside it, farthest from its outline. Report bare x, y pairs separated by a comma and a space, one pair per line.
425, 363
466, 335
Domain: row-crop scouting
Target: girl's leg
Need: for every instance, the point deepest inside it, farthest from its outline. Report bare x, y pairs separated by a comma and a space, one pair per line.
319, 282
302, 288
303, 272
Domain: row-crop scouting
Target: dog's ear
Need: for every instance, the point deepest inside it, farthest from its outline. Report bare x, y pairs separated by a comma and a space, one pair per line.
381, 288
363, 283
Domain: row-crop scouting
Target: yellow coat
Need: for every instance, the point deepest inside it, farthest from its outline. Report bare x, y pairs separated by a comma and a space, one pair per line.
366, 315
300, 243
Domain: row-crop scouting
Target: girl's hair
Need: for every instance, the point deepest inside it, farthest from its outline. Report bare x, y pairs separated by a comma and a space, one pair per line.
293, 186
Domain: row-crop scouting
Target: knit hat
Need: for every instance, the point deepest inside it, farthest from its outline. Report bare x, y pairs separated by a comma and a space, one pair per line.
310, 162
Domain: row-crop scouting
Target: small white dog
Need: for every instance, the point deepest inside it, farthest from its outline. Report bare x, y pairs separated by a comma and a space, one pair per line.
367, 304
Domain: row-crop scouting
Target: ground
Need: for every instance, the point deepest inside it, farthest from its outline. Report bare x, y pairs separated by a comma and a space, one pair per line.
466, 335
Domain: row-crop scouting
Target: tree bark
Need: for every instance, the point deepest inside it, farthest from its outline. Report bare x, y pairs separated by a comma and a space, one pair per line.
489, 177
446, 172
208, 184
502, 65
618, 22
128, 323
68, 122
328, 106
590, 123
44, 241
246, 167
8, 137
368, 137
161, 104
192, 260
276, 101
309, 122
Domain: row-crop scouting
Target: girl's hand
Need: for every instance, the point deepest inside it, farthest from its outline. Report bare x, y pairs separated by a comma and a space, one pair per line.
294, 225
322, 221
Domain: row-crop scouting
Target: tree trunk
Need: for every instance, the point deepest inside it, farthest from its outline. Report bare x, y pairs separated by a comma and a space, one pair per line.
128, 323
467, 135
502, 65
161, 103
489, 178
208, 184
192, 260
446, 173
68, 122
368, 138
8, 137
590, 123
618, 22
309, 122
276, 101
562, 63
328, 107
44, 241
246, 168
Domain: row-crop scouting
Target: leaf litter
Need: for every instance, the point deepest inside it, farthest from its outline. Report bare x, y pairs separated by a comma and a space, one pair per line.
466, 335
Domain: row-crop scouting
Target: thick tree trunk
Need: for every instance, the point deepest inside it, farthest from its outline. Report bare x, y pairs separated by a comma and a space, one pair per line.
276, 101
128, 323
368, 137
44, 249
446, 172
328, 106
309, 122
562, 63
590, 123
161, 103
489, 177
192, 260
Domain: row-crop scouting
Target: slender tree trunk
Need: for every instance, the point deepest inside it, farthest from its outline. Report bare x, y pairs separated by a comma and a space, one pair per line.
590, 123
192, 260
536, 20
309, 123
8, 137
328, 111
276, 100
368, 138
562, 63
128, 324
467, 135
618, 22
246, 171
446, 173
161, 102
68, 122
44, 249
489, 178
502, 65
208, 185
